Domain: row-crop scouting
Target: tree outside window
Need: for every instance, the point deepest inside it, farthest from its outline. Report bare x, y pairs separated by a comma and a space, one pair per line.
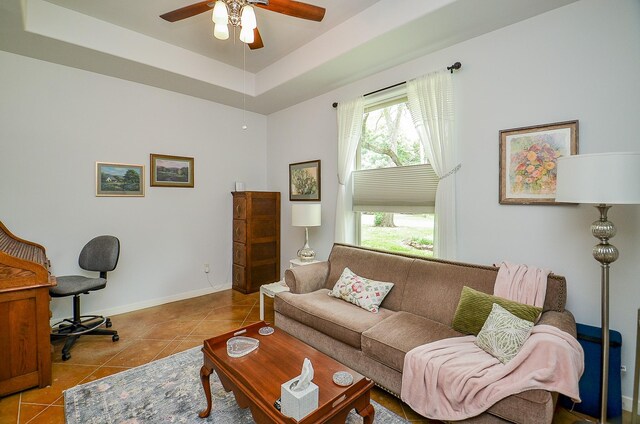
389, 139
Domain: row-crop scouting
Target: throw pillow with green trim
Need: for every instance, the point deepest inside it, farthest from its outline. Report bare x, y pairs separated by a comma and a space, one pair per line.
363, 292
503, 334
475, 306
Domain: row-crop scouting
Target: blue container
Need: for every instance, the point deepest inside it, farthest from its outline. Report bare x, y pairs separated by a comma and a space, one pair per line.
590, 338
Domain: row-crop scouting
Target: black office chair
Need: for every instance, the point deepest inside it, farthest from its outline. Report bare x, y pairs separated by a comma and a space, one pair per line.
100, 255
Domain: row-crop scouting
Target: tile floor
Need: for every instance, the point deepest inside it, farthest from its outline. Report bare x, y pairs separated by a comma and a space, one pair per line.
151, 334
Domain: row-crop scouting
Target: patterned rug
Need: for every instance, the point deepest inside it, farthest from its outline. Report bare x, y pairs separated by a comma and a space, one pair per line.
166, 391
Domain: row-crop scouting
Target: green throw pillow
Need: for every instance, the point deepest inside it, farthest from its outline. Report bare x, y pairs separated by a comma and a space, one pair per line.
474, 308
503, 334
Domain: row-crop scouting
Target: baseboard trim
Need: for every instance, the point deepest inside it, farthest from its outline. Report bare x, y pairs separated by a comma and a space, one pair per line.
627, 403
152, 302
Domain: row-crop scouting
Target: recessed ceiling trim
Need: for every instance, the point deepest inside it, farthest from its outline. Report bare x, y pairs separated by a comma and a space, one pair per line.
52, 21
375, 21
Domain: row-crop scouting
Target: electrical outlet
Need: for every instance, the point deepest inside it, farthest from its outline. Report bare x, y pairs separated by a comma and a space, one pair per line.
206, 268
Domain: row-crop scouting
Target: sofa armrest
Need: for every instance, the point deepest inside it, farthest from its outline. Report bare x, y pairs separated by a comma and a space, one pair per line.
307, 278
562, 320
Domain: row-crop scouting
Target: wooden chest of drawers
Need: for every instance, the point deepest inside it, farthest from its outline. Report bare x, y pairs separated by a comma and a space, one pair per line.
256, 239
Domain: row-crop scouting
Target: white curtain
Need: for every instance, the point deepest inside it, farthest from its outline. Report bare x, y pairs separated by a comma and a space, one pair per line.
431, 105
350, 116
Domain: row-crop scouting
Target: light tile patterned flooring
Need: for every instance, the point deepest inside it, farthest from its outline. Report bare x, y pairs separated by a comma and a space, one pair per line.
151, 334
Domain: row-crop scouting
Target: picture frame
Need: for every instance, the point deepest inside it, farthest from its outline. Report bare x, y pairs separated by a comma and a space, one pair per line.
528, 158
171, 171
304, 181
119, 180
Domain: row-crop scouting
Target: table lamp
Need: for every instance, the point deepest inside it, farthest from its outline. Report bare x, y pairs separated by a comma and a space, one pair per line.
602, 179
306, 215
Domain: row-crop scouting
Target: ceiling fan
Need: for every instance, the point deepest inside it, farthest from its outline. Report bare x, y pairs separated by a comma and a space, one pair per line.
239, 13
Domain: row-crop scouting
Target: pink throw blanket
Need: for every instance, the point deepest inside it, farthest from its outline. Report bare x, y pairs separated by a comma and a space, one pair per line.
521, 283
453, 379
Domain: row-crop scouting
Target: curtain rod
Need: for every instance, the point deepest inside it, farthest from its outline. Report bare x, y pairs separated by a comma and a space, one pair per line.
451, 68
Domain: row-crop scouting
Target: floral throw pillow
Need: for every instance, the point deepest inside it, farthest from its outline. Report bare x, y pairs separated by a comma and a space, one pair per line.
503, 334
365, 293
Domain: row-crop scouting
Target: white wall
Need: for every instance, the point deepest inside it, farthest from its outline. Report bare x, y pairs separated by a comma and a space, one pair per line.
56, 122
578, 62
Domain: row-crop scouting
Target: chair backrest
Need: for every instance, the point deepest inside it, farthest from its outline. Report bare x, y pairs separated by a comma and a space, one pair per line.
100, 254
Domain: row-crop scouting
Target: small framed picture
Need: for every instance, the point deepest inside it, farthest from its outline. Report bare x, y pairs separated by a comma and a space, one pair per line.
304, 181
171, 171
119, 179
528, 158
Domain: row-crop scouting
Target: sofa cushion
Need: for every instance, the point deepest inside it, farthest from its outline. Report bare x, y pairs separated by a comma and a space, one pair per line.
388, 341
435, 287
363, 292
474, 309
503, 334
371, 264
334, 317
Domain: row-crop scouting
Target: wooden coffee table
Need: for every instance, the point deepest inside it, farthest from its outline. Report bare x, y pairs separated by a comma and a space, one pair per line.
255, 378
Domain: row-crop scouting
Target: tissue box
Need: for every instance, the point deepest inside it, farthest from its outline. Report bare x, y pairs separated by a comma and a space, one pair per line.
298, 405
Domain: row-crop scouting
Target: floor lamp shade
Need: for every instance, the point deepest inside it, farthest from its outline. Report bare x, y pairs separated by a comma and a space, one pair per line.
603, 179
607, 178
306, 215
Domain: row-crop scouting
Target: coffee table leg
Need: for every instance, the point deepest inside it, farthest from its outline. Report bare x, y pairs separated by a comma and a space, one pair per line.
367, 414
204, 378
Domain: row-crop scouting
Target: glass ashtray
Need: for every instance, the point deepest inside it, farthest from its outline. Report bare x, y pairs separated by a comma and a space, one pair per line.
266, 331
239, 346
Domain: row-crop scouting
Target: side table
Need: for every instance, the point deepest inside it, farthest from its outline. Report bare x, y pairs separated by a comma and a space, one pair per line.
279, 286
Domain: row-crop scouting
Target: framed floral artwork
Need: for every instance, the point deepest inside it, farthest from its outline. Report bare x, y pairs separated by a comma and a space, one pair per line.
528, 158
304, 181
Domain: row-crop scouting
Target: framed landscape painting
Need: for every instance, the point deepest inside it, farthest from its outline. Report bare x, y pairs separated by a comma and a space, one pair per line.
118, 179
171, 171
304, 181
528, 158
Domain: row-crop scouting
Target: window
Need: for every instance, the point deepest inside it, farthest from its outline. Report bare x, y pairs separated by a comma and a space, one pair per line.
393, 187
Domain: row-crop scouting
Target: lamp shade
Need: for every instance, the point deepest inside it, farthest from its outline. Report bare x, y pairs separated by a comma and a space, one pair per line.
248, 18
305, 214
246, 35
220, 13
607, 178
221, 31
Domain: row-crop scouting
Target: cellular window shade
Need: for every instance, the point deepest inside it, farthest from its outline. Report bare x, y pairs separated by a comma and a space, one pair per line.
402, 189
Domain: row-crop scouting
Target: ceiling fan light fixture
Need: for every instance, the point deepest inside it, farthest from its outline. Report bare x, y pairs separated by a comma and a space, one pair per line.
220, 14
246, 35
248, 18
221, 31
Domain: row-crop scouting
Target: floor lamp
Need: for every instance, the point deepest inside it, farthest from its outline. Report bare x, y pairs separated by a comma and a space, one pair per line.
603, 179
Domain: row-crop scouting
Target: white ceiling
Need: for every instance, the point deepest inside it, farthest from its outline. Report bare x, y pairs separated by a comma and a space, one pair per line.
301, 59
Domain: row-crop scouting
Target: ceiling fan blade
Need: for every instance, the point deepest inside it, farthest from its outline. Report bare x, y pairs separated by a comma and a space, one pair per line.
257, 40
295, 8
187, 11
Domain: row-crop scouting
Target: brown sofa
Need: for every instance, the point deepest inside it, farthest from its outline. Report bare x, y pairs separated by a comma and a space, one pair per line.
418, 310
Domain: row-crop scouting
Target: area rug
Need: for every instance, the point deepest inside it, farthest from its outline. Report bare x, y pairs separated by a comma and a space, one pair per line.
166, 391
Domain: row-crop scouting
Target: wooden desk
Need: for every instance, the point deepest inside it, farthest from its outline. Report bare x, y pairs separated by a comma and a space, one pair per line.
25, 347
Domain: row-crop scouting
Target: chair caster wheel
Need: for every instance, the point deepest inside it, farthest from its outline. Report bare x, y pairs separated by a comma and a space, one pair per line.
66, 356
108, 323
115, 338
